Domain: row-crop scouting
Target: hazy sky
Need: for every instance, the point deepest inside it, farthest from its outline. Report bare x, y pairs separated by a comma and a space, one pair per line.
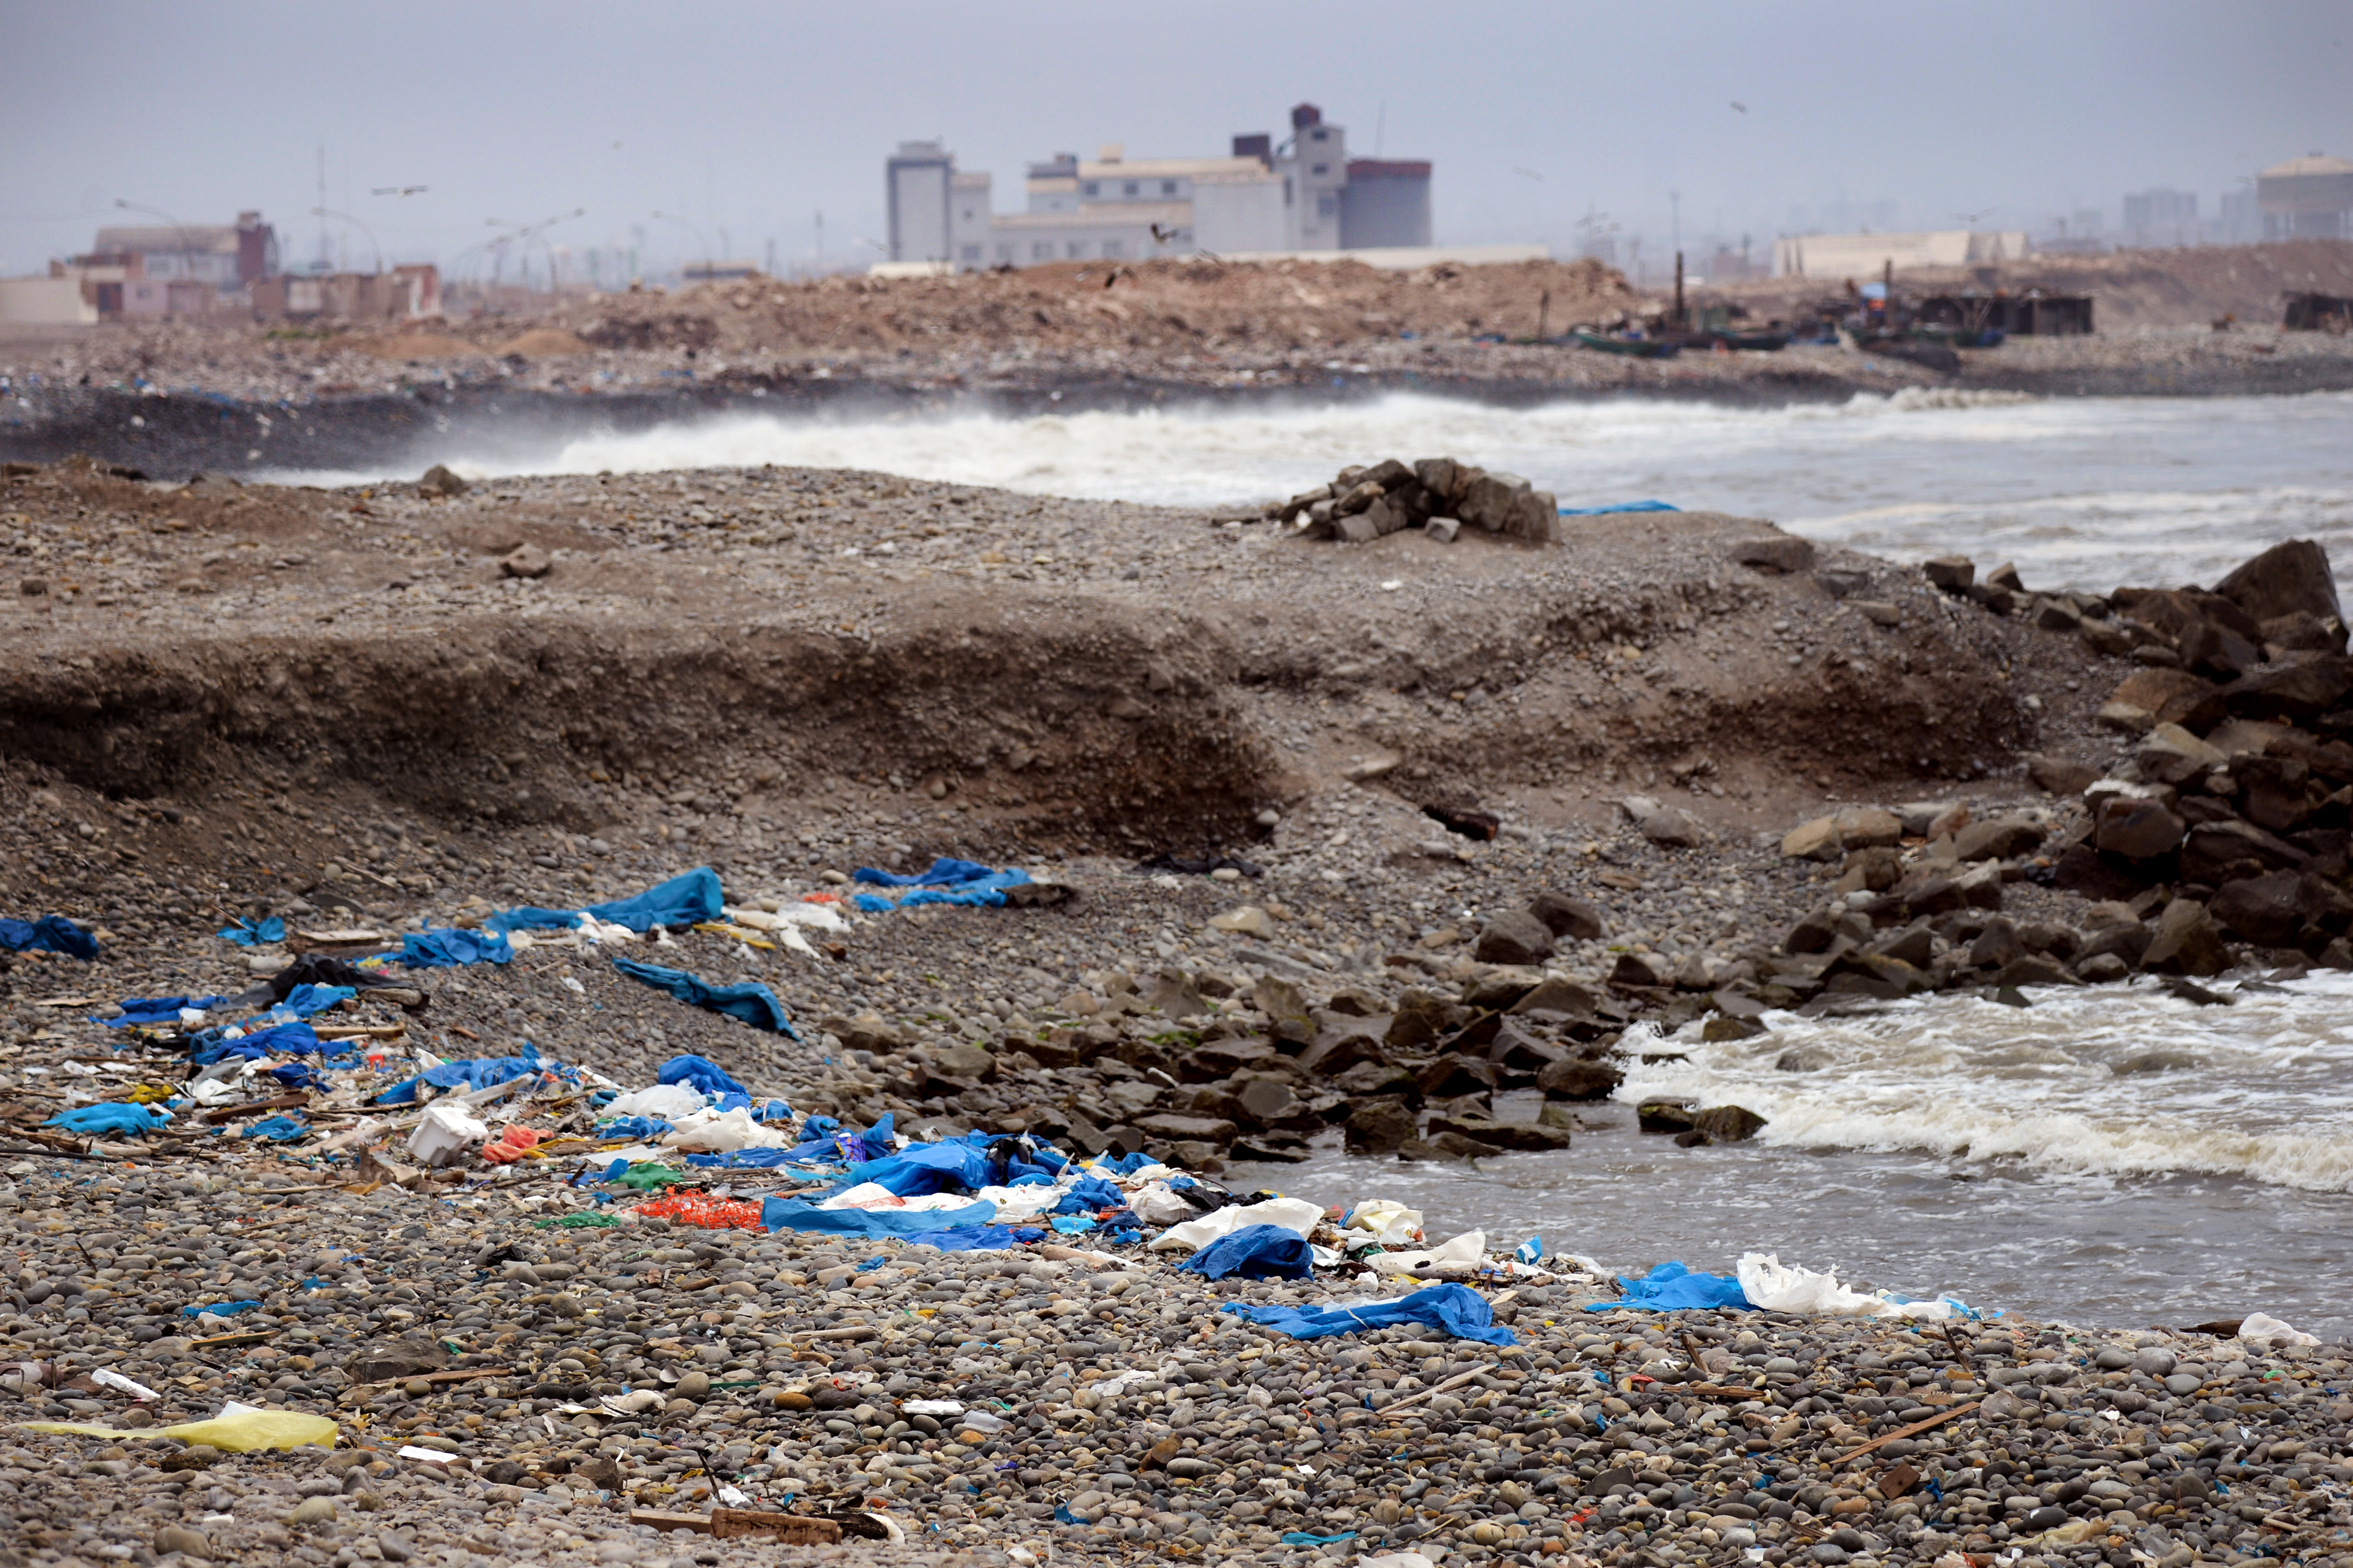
751, 118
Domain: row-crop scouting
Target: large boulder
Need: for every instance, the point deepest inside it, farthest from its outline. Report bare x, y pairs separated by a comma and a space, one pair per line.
2171, 696
2186, 942
2226, 851
1378, 1127
2003, 837
2136, 827
2266, 910
2296, 694
2291, 576
1579, 1080
1515, 937
1566, 916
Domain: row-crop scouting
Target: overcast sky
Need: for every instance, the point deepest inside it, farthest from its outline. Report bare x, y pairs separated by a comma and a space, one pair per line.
751, 118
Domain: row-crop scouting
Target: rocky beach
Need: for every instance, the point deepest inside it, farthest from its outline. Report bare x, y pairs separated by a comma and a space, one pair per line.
1404, 822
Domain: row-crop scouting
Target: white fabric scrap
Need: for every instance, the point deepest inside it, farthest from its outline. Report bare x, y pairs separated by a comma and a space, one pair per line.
1458, 1256
1776, 1287
1290, 1214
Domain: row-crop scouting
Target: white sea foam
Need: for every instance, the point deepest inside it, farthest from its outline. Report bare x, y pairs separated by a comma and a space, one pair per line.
2085, 493
2094, 1083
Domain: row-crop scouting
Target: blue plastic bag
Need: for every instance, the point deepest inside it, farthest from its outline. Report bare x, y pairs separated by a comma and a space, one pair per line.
154, 1009
113, 1120
684, 900
801, 1215
248, 933
279, 1129
705, 1076
976, 1238
1673, 1288
1455, 1309
954, 882
219, 1309
1254, 1252
749, 1002
49, 933
453, 946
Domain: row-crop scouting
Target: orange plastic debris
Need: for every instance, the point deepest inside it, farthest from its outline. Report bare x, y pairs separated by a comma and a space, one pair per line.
510, 1147
701, 1209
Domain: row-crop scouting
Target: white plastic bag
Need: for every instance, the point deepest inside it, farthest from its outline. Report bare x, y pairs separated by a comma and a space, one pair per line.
1387, 1222
666, 1102
446, 1136
1290, 1214
1777, 1287
1457, 1255
1155, 1203
2263, 1328
722, 1132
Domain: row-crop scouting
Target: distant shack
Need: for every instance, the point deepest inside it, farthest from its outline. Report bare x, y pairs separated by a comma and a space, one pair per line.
2317, 313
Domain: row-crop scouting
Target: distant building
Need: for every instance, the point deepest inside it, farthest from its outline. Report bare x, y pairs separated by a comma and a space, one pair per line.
2307, 199
226, 256
720, 271
1304, 195
1864, 256
2160, 217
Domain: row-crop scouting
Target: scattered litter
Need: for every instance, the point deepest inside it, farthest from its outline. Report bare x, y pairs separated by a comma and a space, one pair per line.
957, 881
1254, 1252
750, 1002
49, 933
246, 1430
702, 1211
1455, 1309
681, 901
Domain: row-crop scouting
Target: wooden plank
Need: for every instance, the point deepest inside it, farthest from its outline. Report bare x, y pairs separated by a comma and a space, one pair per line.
1912, 1431
791, 1528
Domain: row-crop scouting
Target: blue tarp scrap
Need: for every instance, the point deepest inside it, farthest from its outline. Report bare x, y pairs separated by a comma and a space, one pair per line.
249, 933
1457, 1310
306, 1001
49, 933
453, 946
976, 1238
950, 1165
1254, 1252
112, 1119
705, 1076
1621, 506
154, 1009
637, 1129
1124, 1164
293, 1038
219, 1309
684, 900
801, 1215
1093, 1194
750, 1002
474, 1073
279, 1129
1673, 1288
744, 1159
1302, 1538
958, 882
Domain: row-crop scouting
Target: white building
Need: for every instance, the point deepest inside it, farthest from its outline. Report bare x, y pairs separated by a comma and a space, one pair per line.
1866, 256
1304, 195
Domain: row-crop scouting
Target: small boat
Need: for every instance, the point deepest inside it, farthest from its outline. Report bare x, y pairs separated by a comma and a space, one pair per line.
1633, 347
1752, 341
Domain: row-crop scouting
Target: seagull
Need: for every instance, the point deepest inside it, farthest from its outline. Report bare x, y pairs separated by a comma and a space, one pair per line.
1739, 107
399, 190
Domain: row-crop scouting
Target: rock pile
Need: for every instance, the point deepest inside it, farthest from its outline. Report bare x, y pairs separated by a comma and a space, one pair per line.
1437, 496
2224, 820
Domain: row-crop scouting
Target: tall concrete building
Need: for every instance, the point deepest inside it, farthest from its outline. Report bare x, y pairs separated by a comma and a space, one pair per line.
1302, 195
2307, 199
2161, 218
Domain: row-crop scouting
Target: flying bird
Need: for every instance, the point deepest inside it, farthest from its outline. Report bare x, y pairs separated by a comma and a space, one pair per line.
1739, 107
399, 190
1530, 172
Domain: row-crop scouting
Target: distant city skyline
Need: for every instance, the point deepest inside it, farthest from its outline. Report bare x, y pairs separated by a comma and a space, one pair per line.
740, 124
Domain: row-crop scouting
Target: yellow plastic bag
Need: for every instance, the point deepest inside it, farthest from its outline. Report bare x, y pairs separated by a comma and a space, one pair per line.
242, 1433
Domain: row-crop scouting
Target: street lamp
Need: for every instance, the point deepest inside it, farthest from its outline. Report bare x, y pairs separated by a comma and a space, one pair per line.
364, 228
708, 269
188, 254
530, 232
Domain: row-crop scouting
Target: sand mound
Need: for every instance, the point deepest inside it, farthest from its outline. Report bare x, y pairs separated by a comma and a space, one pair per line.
415, 345
545, 343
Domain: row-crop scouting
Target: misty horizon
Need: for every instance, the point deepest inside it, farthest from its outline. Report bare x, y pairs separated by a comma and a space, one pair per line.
741, 124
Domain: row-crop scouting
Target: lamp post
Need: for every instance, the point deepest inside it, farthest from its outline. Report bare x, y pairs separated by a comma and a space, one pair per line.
708, 269
188, 254
364, 228
530, 232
